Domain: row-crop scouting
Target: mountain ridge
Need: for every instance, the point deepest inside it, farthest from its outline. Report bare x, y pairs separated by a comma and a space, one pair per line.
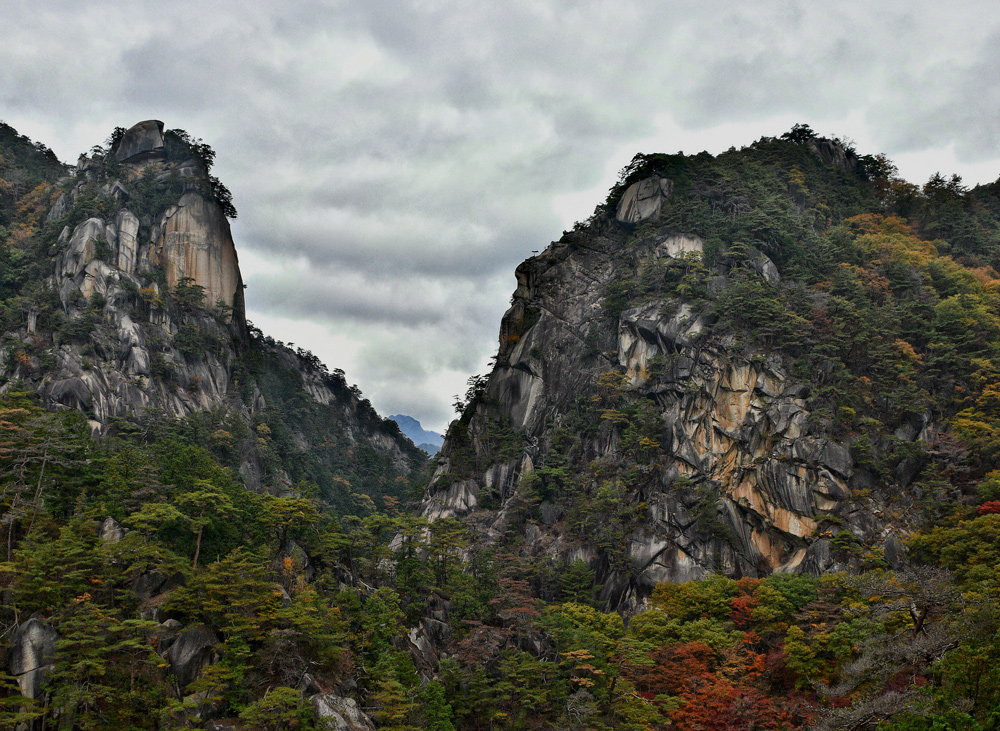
429, 441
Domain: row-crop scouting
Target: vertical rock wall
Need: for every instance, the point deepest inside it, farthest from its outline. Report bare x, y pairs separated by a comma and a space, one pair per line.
194, 241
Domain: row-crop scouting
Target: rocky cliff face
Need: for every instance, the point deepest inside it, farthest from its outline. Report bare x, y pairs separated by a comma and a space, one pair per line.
624, 426
142, 312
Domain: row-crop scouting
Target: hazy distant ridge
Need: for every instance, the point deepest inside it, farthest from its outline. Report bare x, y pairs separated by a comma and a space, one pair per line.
429, 441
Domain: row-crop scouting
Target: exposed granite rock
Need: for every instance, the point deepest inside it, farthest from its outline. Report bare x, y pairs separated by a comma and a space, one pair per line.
894, 551
165, 634
342, 713
82, 246
643, 200
143, 141
112, 531
128, 345
437, 631
675, 247
32, 653
152, 583
190, 652
834, 153
194, 241
743, 475
60, 207
455, 499
128, 245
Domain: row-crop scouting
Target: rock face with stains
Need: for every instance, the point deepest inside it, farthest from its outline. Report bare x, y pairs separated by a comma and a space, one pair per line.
147, 309
32, 656
143, 141
709, 452
194, 242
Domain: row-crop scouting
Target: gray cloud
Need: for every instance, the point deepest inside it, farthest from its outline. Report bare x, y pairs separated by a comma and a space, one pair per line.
393, 160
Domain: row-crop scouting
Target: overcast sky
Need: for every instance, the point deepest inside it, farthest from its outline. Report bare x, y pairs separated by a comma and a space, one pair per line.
392, 162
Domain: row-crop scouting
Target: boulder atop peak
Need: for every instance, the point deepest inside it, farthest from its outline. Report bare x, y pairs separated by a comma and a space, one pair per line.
143, 141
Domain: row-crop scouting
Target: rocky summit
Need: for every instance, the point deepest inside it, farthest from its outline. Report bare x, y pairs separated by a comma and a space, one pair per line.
136, 308
669, 360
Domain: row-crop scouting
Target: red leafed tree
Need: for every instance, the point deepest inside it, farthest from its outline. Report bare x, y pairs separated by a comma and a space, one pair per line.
726, 707
678, 670
717, 690
989, 508
741, 608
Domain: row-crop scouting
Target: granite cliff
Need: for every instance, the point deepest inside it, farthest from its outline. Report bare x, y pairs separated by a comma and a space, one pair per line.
140, 315
670, 398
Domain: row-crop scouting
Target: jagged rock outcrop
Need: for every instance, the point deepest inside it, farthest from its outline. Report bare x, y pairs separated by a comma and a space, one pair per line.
148, 316
708, 453
737, 423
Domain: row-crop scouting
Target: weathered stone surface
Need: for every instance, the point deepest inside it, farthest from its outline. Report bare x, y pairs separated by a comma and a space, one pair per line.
457, 499
194, 241
819, 558
191, 652
420, 648
112, 531
32, 652
117, 355
151, 583
833, 153
676, 247
60, 207
439, 632
128, 246
894, 552
837, 458
643, 200
343, 713
72, 392
731, 427
83, 246
550, 512
766, 269
165, 634
144, 141
117, 190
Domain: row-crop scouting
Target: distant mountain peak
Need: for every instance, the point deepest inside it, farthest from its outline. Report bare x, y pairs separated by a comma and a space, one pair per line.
429, 441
